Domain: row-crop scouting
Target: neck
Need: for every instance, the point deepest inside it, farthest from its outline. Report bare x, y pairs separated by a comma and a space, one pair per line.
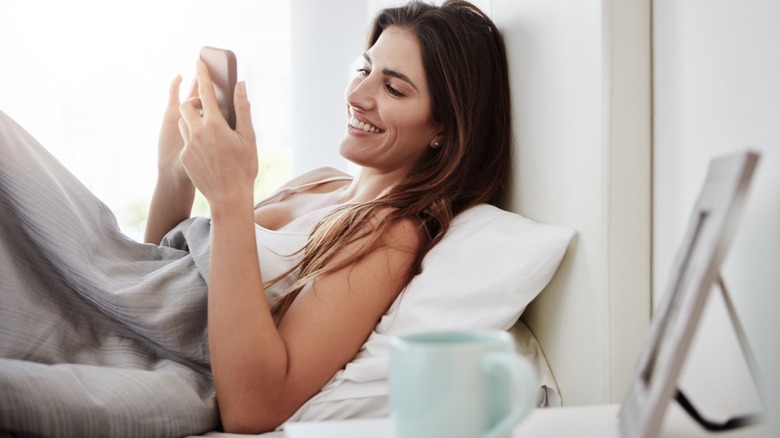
368, 185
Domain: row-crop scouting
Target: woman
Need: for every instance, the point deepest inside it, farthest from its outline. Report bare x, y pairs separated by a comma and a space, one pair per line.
428, 123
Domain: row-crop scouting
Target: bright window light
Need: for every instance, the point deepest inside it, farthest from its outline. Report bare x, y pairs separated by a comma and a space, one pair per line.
89, 80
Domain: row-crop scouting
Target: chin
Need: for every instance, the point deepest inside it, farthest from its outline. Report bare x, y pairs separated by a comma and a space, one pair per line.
351, 152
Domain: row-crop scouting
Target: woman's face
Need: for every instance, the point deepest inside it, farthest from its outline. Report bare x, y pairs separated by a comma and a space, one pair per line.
389, 106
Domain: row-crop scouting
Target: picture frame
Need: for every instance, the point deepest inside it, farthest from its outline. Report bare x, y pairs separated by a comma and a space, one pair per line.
694, 273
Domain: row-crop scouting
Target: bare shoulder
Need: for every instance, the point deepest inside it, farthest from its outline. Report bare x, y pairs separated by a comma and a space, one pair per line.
405, 234
396, 243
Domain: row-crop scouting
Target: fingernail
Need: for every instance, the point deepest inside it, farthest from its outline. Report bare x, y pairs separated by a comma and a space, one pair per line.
242, 87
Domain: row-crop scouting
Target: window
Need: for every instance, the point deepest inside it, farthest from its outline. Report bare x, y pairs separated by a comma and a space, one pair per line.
89, 79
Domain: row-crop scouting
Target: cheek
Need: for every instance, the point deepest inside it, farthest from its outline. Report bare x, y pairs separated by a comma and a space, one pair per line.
417, 123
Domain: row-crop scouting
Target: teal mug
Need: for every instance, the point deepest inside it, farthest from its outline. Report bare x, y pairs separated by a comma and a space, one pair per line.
459, 384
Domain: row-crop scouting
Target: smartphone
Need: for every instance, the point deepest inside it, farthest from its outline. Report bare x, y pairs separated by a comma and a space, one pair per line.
221, 64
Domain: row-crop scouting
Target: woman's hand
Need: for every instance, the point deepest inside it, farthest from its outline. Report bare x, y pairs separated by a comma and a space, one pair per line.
174, 193
221, 162
170, 142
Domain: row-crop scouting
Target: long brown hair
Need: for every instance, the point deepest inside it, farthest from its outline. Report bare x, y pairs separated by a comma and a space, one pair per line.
466, 68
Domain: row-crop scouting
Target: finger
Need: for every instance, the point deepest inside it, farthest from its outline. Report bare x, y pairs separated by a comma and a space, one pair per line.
243, 113
195, 102
193, 88
190, 111
206, 89
173, 91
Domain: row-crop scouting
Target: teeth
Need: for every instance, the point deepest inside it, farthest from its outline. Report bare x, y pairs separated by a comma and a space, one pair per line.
362, 125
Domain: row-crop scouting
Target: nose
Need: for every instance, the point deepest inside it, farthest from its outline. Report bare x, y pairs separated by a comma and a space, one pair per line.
361, 92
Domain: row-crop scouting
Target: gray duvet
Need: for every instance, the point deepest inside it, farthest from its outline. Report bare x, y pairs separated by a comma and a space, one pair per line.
99, 335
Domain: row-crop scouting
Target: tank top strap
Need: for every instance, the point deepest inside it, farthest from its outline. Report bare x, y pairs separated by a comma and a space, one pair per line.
284, 192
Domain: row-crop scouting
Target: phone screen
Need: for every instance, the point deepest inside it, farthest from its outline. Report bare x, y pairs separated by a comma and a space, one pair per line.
221, 64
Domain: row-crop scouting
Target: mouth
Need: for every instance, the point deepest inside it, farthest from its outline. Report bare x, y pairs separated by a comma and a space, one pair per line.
364, 126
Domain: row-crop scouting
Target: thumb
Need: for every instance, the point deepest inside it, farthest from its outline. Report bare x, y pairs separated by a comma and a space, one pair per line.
241, 104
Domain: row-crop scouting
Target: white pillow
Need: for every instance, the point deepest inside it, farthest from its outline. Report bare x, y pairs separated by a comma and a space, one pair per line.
482, 275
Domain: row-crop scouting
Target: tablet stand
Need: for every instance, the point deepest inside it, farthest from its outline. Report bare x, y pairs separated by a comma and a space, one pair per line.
695, 270
750, 359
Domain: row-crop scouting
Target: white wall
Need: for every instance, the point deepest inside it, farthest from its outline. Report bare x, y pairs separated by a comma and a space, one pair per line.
717, 91
326, 38
581, 100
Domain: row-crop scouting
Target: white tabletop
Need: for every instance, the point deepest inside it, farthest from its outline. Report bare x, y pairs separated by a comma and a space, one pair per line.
580, 421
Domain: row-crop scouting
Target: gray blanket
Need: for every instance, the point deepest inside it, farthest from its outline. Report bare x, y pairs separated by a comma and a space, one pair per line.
99, 335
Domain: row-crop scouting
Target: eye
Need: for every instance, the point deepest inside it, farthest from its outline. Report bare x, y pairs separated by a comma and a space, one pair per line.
363, 72
393, 91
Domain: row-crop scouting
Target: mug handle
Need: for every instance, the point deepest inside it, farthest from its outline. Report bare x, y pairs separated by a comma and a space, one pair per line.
523, 377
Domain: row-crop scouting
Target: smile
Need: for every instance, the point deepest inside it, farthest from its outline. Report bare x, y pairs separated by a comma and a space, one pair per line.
355, 123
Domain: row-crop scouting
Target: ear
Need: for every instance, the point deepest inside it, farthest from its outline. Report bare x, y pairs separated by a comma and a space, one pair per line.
437, 141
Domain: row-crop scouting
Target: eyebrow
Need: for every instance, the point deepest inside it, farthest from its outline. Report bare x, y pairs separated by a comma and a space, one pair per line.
392, 73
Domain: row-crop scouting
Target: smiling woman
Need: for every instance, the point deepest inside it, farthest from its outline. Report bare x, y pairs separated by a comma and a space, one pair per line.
88, 79
390, 117
260, 308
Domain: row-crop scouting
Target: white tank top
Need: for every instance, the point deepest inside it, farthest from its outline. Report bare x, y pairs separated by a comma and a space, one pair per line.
358, 390
279, 251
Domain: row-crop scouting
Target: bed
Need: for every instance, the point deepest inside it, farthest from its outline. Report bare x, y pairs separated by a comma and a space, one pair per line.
104, 336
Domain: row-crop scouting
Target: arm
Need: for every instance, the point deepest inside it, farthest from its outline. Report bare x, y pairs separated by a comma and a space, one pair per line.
263, 373
174, 192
